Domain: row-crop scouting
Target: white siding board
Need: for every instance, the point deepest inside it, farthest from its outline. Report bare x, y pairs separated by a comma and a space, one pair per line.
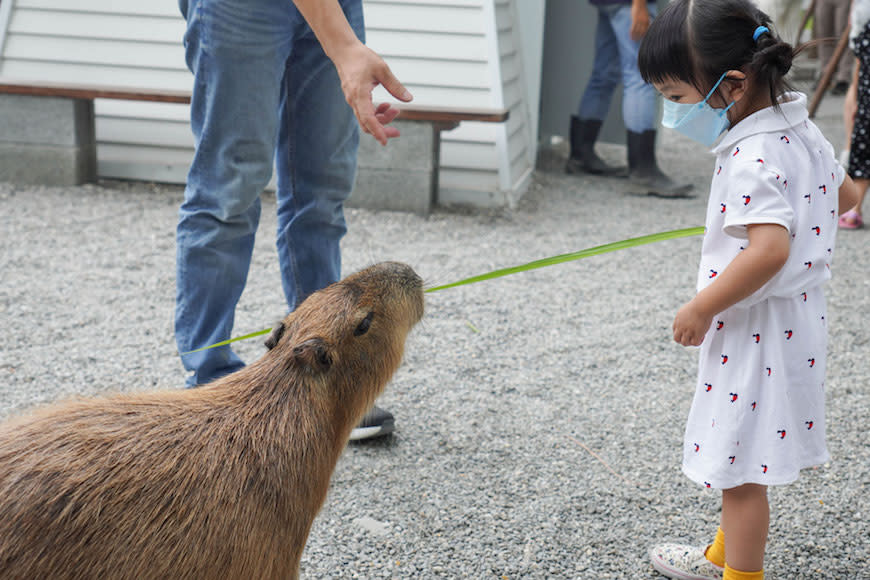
143, 110
5, 17
506, 45
470, 179
426, 45
445, 96
470, 156
503, 18
517, 144
518, 139
94, 52
166, 164
475, 132
459, 74
144, 132
510, 66
97, 26
82, 73
515, 122
513, 95
119, 153
423, 18
443, 3
158, 8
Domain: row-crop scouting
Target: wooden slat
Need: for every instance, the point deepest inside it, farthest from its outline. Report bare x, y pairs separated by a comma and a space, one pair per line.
80, 91
451, 114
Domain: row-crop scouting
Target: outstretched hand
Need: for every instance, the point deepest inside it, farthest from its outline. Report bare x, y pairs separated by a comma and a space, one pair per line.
361, 70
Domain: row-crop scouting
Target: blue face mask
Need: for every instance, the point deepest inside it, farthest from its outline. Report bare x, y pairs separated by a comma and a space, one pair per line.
698, 121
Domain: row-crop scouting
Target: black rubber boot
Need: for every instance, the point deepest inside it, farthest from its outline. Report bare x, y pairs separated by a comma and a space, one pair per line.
583, 158
644, 174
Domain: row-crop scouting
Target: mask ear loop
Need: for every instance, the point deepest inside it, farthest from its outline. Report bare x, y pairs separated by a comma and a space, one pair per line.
725, 110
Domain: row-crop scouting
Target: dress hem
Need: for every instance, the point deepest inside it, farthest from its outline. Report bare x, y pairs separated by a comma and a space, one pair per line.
789, 477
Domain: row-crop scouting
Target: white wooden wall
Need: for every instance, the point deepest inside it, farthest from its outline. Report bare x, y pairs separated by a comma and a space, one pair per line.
448, 52
114, 42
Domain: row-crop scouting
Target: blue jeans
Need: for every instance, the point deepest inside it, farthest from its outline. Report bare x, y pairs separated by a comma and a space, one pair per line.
264, 92
615, 62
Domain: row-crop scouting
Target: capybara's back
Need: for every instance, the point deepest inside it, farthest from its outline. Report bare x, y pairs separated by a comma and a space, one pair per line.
222, 481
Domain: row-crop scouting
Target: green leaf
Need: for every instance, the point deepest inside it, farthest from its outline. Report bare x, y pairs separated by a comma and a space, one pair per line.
236, 339
612, 247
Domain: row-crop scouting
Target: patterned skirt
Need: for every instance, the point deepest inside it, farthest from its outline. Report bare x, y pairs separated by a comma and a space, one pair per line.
758, 414
859, 152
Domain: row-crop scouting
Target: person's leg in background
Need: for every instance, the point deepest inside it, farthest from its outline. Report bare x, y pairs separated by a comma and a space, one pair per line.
832, 17
844, 69
639, 112
316, 163
237, 61
595, 103
859, 152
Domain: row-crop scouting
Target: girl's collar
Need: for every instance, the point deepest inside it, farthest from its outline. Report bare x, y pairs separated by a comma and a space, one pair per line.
792, 110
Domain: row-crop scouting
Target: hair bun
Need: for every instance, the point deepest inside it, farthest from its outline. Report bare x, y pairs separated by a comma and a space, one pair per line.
773, 53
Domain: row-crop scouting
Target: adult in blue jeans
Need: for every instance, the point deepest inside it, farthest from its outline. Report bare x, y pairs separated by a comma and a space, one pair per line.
287, 82
621, 26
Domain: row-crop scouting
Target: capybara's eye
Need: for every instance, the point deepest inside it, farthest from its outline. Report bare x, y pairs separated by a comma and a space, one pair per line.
364, 325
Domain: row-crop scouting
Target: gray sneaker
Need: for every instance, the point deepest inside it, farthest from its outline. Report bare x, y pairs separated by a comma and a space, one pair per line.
684, 562
376, 423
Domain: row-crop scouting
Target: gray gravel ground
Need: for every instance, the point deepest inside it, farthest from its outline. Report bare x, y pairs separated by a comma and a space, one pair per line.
539, 416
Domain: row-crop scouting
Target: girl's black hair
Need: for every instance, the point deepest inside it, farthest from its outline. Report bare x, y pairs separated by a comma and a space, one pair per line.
696, 41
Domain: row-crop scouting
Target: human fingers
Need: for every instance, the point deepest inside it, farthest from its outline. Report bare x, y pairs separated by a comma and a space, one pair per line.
393, 86
386, 113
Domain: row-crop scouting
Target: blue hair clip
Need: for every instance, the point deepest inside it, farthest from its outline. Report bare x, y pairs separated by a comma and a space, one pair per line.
758, 32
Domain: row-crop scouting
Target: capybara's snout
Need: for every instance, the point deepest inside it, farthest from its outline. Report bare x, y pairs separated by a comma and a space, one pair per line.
396, 283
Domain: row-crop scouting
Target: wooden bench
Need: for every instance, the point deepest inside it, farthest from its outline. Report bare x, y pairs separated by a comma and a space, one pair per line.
48, 137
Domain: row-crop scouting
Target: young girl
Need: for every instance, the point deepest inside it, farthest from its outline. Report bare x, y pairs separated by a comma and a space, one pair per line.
759, 315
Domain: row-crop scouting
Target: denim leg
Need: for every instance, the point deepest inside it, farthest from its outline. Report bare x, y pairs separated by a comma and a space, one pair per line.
236, 52
638, 97
316, 162
595, 102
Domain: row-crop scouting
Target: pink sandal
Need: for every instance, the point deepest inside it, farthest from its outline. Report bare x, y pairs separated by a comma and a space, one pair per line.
851, 220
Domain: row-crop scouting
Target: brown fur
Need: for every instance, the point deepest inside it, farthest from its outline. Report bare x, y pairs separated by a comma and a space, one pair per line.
223, 481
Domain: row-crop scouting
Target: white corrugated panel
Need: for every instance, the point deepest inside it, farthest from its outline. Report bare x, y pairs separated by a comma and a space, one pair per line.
519, 144
445, 51
111, 42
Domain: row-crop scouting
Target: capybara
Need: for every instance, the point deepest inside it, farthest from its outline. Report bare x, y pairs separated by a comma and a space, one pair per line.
221, 481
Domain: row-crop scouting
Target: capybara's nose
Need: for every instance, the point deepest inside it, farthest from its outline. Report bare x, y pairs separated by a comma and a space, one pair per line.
405, 273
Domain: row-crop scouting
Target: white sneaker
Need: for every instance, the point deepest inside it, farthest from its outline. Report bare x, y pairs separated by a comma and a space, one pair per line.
684, 562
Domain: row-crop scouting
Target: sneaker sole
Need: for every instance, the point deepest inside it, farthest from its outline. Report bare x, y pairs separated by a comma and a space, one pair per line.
370, 432
666, 570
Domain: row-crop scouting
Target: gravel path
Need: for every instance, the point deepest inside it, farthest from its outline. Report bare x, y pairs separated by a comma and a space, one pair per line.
539, 416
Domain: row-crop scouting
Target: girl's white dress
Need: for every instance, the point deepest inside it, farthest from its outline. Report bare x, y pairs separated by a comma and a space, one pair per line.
758, 414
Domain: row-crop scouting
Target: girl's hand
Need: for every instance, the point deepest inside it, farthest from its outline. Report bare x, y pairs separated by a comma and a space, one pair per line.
766, 254
691, 324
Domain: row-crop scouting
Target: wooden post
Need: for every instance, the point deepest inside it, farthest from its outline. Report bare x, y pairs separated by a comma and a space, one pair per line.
809, 12
829, 72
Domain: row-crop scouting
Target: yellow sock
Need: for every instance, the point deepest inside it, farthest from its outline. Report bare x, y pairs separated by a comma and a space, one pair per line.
716, 551
732, 574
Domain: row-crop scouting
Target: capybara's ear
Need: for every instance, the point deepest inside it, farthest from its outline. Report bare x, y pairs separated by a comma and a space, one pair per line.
313, 353
277, 333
